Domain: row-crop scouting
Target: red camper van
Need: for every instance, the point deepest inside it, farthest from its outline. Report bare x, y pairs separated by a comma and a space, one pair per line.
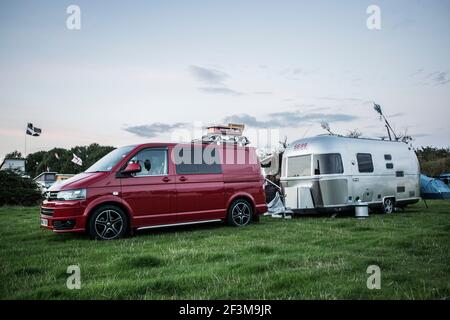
154, 185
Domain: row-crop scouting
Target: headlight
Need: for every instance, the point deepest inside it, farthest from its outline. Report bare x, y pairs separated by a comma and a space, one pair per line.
79, 194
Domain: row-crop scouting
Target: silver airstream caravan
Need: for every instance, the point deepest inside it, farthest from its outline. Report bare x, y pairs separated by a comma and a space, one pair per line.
331, 172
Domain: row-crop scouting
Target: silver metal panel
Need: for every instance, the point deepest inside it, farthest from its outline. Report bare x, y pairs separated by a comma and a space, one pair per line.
291, 197
334, 192
304, 198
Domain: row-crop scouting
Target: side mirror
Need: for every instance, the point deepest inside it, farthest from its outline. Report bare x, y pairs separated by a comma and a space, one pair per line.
132, 168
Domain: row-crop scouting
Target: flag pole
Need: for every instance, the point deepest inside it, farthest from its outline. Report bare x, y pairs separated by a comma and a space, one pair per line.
25, 151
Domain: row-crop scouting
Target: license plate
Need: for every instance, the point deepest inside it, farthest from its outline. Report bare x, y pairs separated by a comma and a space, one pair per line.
44, 222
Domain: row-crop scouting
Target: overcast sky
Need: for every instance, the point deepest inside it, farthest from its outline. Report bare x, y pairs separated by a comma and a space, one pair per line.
137, 70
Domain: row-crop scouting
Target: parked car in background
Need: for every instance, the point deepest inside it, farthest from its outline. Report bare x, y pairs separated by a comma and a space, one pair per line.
156, 184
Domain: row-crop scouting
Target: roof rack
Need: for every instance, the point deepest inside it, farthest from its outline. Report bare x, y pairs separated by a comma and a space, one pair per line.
225, 134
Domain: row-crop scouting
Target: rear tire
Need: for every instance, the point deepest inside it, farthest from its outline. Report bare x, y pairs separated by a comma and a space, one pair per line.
389, 205
108, 223
240, 213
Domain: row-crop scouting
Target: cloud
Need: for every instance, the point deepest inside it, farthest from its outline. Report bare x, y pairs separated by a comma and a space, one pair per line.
154, 129
275, 120
262, 92
396, 115
437, 78
220, 90
215, 79
440, 78
208, 75
338, 99
297, 73
289, 119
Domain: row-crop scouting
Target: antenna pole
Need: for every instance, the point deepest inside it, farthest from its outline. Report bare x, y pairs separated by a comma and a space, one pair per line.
389, 133
388, 126
25, 150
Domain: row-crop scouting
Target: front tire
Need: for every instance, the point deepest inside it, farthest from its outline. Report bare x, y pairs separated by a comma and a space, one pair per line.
108, 223
388, 205
240, 213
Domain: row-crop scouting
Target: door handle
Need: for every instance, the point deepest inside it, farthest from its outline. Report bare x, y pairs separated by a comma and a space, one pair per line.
355, 179
183, 178
166, 179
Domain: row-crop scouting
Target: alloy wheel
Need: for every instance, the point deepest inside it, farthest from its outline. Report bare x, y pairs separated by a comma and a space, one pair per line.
241, 214
108, 224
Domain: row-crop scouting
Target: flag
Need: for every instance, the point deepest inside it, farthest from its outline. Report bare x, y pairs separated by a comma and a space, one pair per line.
56, 156
77, 160
33, 131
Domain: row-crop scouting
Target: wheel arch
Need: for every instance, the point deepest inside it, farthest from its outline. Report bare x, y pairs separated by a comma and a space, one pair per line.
111, 202
244, 196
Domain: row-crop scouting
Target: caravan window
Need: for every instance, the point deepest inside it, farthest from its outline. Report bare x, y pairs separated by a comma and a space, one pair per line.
299, 166
330, 163
365, 163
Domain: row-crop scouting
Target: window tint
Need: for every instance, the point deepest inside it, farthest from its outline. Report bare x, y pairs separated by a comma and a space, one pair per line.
389, 166
198, 166
299, 166
365, 163
387, 157
153, 162
330, 163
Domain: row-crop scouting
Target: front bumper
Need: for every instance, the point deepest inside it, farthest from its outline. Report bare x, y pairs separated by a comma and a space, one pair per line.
63, 216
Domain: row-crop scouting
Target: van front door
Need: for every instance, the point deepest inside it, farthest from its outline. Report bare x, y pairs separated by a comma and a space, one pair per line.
151, 192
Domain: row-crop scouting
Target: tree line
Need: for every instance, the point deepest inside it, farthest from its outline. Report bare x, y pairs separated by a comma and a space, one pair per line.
59, 159
434, 161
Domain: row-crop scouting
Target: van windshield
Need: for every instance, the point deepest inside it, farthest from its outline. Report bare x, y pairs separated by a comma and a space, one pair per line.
106, 163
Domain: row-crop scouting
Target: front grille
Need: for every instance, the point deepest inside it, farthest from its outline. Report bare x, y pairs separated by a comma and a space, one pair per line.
51, 195
47, 212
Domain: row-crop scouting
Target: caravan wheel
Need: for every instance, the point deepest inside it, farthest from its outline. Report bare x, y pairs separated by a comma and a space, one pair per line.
388, 205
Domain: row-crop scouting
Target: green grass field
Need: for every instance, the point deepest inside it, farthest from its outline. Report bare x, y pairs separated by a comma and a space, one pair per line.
305, 258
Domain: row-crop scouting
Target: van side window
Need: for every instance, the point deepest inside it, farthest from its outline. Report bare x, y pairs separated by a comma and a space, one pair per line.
153, 162
201, 166
299, 166
330, 163
365, 163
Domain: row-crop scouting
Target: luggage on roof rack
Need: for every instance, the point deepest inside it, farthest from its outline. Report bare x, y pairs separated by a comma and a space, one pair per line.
229, 134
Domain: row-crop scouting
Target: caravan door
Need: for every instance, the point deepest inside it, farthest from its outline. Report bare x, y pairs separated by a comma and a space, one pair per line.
363, 178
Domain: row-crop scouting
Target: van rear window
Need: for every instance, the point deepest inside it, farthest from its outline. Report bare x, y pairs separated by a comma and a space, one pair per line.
365, 163
329, 163
197, 163
299, 166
